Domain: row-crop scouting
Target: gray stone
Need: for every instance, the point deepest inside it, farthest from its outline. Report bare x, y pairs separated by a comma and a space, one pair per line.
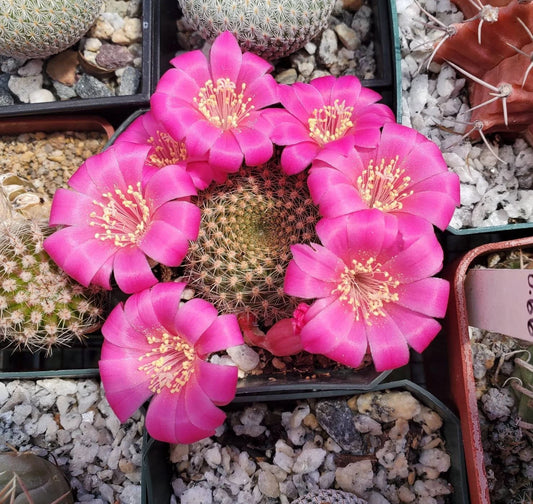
32, 67
11, 65
112, 56
347, 36
90, 87
64, 92
129, 81
337, 419
6, 99
41, 96
328, 47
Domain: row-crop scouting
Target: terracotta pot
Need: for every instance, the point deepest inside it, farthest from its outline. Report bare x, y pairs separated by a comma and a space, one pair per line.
462, 383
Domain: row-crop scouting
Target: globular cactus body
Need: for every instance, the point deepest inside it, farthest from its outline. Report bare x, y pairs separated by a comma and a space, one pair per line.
26, 478
493, 47
40, 306
523, 388
248, 224
38, 29
270, 28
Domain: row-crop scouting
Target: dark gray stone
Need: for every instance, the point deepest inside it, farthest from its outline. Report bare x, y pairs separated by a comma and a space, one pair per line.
337, 419
6, 99
90, 87
64, 92
129, 82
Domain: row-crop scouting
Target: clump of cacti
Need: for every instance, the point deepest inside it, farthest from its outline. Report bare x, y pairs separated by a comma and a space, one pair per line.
493, 48
37, 29
26, 478
248, 224
40, 306
271, 29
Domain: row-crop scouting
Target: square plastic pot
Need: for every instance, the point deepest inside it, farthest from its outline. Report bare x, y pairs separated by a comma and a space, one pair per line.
462, 382
81, 359
157, 470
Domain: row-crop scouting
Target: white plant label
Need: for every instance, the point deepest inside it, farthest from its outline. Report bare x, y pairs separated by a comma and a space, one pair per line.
501, 300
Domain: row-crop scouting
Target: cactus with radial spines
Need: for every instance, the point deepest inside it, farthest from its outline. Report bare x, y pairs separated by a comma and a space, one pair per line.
38, 29
270, 28
248, 224
40, 306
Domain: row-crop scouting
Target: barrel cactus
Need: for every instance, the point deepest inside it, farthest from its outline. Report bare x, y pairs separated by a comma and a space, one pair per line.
26, 478
271, 28
40, 306
37, 29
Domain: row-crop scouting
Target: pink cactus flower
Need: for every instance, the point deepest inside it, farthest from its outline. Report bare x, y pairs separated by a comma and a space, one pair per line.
404, 175
215, 104
371, 287
156, 347
116, 223
327, 112
166, 150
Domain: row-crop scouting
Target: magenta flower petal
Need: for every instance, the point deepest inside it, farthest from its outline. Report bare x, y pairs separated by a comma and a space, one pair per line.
164, 298
169, 183
224, 332
287, 129
387, 344
225, 57
132, 271
126, 388
256, 147
200, 137
196, 66
164, 244
218, 382
436, 207
140, 311
417, 329
226, 155
200, 408
253, 68
318, 261
352, 349
182, 215
301, 99
69, 208
103, 276
326, 86
296, 158
299, 283
428, 296
120, 333
194, 318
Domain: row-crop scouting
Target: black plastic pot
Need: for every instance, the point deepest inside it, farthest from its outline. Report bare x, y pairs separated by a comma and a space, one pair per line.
157, 470
158, 47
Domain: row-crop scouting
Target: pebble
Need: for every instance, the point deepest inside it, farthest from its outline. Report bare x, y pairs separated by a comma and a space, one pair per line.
32, 67
244, 357
347, 36
129, 81
22, 87
62, 67
336, 418
41, 96
112, 56
90, 87
328, 47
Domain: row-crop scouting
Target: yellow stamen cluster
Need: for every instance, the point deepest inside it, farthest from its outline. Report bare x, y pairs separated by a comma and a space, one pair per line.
384, 186
330, 122
222, 105
124, 218
171, 362
365, 288
166, 151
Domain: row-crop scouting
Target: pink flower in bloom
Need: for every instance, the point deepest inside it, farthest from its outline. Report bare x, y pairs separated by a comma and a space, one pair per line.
156, 347
166, 150
115, 223
327, 112
216, 105
371, 287
404, 175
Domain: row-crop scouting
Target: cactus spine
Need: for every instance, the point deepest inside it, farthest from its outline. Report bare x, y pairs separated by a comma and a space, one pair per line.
270, 28
38, 29
248, 224
40, 306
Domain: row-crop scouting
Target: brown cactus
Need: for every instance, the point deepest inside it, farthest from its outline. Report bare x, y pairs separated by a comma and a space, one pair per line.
493, 47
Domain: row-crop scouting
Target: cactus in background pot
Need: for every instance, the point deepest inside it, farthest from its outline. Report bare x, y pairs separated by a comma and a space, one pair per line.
37, 29
272, 29
40, 306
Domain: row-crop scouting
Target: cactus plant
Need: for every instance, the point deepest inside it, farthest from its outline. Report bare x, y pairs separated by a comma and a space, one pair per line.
329, 496
493, 47
26, 478
523, 387
271, 29
40, 306
37, 29
248, 224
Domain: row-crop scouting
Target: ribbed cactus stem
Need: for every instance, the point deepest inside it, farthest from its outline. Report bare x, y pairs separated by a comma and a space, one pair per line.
248, 224
38, 29
270, 28
40, 306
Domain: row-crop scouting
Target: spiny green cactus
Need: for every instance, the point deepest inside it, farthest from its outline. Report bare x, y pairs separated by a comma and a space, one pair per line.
523, 387
270, 28
26, 478
40, 306
40, 28
248, 224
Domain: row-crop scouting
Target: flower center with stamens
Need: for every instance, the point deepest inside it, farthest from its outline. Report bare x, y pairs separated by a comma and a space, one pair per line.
366, 289
165, 150
384, 186
124, 218
171, 362
330, 122
222, 104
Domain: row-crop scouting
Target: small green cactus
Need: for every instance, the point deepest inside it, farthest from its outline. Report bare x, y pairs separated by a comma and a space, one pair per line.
270, 28
248, 224
523, 387
26, 478
38, 29
40, 306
